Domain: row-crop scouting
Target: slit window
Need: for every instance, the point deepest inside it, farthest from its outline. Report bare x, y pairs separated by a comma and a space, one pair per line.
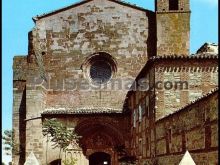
134, 119
173, 4
140, 112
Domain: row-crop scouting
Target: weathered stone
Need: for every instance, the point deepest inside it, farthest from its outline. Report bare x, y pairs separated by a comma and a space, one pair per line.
128, 42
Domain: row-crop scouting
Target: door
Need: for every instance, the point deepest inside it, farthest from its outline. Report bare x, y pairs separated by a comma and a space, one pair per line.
100, 158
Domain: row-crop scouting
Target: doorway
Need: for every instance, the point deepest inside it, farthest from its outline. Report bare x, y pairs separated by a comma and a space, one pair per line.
56, 162
100, 158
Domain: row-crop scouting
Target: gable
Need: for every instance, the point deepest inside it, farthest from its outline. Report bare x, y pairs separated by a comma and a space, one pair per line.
75, 5
71, 36
92, 27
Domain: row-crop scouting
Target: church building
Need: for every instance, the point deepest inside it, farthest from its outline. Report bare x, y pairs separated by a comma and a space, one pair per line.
122, 78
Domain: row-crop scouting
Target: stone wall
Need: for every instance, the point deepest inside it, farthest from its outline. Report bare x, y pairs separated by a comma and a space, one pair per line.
193, 128
141, 103
99, 132
19, 110
177, 83
92, 27
173, 33
173, 28
35, 103
147, 142
20, 65
60, 46
69, 38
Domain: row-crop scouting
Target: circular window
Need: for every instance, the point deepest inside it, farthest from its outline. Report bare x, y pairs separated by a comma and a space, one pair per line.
100, 71
99, 67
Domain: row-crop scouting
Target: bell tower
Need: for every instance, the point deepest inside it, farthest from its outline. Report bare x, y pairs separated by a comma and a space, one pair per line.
173, 27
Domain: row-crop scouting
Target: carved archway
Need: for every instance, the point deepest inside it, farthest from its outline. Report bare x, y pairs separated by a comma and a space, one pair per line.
99, 136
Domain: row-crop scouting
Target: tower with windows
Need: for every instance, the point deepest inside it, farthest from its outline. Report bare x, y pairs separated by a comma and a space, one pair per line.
173, 27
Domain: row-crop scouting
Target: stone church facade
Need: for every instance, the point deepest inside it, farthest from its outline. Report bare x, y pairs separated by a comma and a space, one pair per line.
84, 59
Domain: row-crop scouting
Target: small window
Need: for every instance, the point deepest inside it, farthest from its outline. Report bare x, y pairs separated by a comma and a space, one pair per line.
143, 105
140, 147
169, 135
134, 119
147, 106
140, 113
173, 4
137, 116
147, 112
133, 100
147, 143
137, 97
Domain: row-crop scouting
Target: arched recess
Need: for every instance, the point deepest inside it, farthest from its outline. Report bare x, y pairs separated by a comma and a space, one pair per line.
98, 136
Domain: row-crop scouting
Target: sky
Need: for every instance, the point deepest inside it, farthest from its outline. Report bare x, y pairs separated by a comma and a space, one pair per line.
17, 22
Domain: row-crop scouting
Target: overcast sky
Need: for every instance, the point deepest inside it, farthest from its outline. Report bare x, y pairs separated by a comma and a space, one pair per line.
17, 22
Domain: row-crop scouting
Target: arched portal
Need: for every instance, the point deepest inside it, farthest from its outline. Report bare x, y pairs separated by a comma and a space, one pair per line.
56, 162
100, 158
99, 136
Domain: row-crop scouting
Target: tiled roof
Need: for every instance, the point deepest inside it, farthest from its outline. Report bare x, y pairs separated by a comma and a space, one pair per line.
176, 57
192, 56
61, 111
203, 97
153, 59
85, 1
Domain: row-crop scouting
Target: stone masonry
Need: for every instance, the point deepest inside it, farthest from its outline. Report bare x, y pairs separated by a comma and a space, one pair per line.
162, 112
173, 28
112, 40
62, 47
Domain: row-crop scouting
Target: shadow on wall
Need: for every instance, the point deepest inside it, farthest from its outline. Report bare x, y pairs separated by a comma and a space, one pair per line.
152, 37
22, 126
